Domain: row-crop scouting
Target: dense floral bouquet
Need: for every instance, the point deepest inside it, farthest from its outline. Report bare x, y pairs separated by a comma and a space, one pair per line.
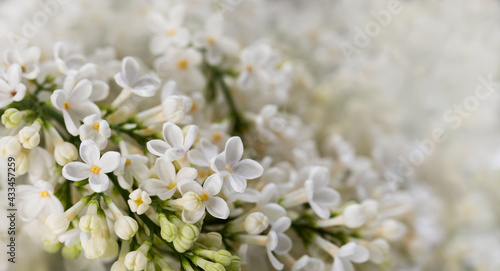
197, 149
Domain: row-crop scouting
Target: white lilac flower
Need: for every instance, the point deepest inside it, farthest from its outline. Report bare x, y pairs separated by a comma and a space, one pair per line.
196, 198
128, 78
9, 146
348, 253
75, 104
96, 129
183, 66
234, 172
276, 241
11, 88
214, 42
316, 192
175, 109
392, 229
266, 203
166, 185
308, 263
38, 199
71, 64
58, 223
139, 201
132, 166
94, 167
379, 249
125, 226
27, 59
203, 154
257, 63
175, 146
356, 215
168, 31
256, 223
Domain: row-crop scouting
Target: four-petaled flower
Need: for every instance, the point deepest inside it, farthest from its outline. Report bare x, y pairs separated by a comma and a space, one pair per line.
128, 78
197, 198
166, 186
175, 146
233, 171
37, 199
94, 167
75, 104
12, 90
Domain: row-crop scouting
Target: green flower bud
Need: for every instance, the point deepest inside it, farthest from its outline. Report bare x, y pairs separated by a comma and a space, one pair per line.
52, 248
168, 229
12, 117
71, 253
181, 246
189, 233
235, 264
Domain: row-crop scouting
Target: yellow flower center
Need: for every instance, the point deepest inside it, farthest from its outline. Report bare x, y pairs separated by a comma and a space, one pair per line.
249, 68
44, 194
211, 40
95, 169
6, 65
171, 186
182, 64
66, 105
204, 197
23, 68
228, 168
96, 126
138, 201
171, 32
127, 162
202, 174
216, 136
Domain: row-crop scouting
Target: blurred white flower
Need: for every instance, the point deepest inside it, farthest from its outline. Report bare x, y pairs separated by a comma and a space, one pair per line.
26, 58
183, 66
350, 252
128, 78
168, 31
38, 199
214, 42
11, 88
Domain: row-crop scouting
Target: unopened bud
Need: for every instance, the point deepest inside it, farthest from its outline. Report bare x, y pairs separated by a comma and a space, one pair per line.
256, 222
12, 117
65, 152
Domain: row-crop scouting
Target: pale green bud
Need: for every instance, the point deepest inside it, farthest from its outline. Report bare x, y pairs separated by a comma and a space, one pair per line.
12, 117
71, 253
168, 229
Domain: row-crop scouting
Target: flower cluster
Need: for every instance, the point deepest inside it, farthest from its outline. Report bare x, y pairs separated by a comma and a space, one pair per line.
189, 156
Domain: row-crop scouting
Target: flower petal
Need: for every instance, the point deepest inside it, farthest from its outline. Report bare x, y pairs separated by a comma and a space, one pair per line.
185, 186
248, 169
173, 135
218, 208
187, 173
76, 171
89, 152
99, 182
157, 147
190, 136
192, 217
213, 184
109, 161
130, 69
233, 150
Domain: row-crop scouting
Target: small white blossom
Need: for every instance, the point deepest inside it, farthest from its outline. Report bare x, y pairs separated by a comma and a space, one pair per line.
128, 78
11, 88
75, 104
38, 199
212, 39
168, 31
233, 171
350, 252
27, 59
93, 167
137, 260
183, 66
166, 185
29, 136
175, 146
132, 167
95, 128
201, 198
139, 201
